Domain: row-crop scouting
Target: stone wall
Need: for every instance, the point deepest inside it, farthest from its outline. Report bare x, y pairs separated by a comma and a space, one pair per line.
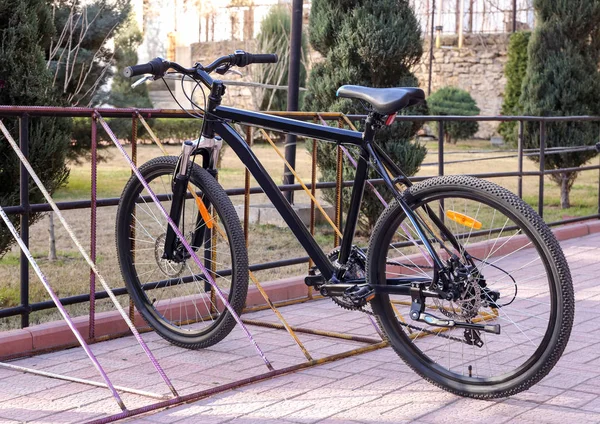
478, 67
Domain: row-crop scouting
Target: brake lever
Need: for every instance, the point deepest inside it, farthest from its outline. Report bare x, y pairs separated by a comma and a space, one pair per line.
223, 69
142, 80
234, 71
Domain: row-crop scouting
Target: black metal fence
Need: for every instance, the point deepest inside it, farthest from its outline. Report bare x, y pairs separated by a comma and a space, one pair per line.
24, 114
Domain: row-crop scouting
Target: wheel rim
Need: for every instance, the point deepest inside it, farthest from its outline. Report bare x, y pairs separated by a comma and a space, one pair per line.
175, 293
527, 322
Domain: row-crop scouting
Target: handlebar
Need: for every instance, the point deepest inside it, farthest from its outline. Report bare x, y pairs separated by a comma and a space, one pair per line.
159, 66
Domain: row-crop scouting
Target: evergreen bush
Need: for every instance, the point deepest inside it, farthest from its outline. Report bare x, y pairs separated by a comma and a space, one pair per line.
25, 31
562, 79
514, 70
457, 102
370, 43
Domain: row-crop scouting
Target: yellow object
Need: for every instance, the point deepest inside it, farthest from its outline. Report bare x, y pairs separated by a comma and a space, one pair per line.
462, 219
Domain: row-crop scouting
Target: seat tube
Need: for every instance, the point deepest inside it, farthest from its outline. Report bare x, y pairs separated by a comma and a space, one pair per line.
358, 189
355, 201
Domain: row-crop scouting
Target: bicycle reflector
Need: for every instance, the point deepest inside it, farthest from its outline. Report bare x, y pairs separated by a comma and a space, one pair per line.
462, 219
390, 119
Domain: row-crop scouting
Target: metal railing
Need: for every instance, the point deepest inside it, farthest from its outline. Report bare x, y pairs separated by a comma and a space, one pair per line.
478, 16
24, 114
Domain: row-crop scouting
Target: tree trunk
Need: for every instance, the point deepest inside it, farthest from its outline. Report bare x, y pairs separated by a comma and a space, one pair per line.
564, 192
52, 240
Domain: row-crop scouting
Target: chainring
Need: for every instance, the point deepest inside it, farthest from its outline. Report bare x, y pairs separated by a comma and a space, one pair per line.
355, 269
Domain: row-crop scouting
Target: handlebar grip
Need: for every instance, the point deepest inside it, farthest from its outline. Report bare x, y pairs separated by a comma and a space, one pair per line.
157, 67
135, 70
262, 58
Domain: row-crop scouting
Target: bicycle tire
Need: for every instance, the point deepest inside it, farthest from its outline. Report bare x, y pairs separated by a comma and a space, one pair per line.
200, 322
527, 308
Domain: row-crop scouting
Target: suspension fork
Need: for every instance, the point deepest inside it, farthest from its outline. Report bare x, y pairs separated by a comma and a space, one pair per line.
178, 187
209, 149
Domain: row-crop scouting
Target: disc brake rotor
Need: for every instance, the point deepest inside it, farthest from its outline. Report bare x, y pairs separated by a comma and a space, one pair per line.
169, 268
464, 308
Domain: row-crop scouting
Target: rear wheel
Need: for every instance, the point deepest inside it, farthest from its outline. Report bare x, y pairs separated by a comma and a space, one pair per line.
515, 255
173, 296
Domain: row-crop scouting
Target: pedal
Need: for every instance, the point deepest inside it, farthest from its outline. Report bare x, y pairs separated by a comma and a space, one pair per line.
314, 280
359, 295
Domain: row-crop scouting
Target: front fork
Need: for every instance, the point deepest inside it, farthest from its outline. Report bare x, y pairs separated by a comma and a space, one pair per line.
209, 149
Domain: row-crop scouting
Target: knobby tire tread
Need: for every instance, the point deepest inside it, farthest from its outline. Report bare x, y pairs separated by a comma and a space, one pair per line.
558, 264
231, 224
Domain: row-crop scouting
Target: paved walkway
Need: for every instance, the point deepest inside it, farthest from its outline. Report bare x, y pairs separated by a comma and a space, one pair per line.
374, 387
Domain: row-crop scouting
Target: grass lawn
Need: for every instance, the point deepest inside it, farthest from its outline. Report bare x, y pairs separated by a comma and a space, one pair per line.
70, 274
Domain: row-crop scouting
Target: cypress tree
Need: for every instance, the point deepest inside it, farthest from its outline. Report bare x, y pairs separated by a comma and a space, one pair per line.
514, 70
562, 79
25, 31
370, 43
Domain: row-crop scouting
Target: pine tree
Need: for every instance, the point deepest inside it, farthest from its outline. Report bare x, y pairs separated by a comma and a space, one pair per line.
370, 43
562, 79
25, 31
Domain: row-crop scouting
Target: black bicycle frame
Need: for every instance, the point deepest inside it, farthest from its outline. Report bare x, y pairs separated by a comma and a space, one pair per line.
219, 123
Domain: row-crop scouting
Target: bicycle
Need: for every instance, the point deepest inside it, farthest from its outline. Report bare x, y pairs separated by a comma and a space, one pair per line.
439, 273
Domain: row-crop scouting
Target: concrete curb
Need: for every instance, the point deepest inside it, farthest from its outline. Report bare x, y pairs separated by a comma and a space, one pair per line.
56, 335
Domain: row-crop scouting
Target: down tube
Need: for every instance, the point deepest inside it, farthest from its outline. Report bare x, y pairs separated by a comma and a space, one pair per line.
249, 159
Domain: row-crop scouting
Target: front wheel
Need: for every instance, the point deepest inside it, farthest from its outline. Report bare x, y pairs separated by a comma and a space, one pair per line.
512, 253
173, 296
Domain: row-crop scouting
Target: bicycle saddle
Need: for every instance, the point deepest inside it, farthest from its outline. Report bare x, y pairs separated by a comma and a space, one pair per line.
384, 100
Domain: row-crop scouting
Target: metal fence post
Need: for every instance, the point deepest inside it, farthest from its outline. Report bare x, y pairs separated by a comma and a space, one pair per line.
514, 16
431, 49
293, 91
24, 197
94, 192
520, 160
134, 131
441, 161
440, 148
542, 167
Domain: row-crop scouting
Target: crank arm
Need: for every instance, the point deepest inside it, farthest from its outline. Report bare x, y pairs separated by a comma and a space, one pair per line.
448, 323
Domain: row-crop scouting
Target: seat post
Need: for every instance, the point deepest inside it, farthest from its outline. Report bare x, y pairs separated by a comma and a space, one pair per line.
371, 125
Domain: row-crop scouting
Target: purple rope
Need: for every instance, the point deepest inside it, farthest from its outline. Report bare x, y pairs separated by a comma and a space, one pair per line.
184, 242
62, 310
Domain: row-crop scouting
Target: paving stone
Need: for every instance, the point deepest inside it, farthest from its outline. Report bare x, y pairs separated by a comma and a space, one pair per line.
372, 387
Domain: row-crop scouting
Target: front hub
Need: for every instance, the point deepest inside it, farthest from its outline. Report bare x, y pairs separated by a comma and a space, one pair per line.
168, 267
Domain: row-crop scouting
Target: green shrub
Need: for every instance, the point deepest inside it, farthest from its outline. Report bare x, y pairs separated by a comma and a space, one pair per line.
562, 79
454, 101
176, 129
514, 70
370, 43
